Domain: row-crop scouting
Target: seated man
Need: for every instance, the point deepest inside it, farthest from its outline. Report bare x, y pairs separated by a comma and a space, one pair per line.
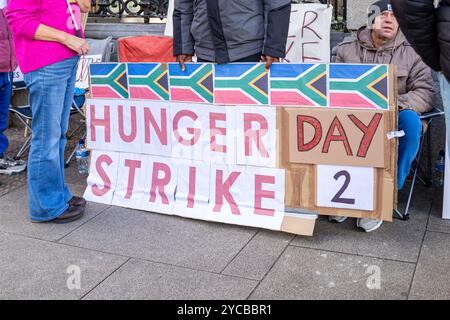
384, 43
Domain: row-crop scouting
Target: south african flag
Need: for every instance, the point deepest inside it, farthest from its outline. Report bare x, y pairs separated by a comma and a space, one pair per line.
241, 83
194, 84
298, 85
359, 86
109, 80
148, 81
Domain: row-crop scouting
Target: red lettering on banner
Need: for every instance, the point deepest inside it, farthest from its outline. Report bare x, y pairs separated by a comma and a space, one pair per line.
192, 131
342, 136
127, 138
161, 130
132, 166
223, 191
260, 193
192, 182
307, 26
102, 174
302, 146
255, 135
215, 131
303, 51
106, 123
160, 183
368, 132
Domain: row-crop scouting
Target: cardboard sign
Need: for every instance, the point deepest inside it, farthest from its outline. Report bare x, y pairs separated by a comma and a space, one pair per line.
82, 79
345, 187
339, 137
240, 160
309, 34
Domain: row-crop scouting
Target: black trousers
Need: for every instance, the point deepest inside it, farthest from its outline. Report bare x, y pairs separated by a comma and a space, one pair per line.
253, 58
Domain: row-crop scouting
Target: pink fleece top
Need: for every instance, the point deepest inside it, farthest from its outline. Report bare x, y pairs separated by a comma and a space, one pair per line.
24, 17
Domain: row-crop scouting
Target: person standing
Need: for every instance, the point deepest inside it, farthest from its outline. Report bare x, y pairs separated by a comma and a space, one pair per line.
48, 50
7, 65
426, 25
226, 31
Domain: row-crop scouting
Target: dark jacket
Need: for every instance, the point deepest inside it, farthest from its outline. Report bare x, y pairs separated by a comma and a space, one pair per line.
228, 30
415, 85
427, 29
7, 58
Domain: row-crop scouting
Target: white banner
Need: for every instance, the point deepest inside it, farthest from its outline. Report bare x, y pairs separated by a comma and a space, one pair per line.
309, 34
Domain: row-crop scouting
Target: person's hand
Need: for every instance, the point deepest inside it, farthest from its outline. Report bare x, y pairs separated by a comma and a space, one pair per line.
80, 46
182, 59
269, 60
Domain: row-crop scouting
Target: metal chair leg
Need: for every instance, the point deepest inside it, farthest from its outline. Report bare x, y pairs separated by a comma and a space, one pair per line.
24, 148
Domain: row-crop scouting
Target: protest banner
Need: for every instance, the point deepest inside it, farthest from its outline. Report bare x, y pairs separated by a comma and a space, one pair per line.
239, 160
309, 33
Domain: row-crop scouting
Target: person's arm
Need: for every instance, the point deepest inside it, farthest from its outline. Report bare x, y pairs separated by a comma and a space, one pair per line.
46, 33
421, 92
85, 5
418, 23
183, 43
23, 19
278, 17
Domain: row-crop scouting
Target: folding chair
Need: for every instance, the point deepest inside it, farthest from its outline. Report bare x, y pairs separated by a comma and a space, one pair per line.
24, 115
416, 169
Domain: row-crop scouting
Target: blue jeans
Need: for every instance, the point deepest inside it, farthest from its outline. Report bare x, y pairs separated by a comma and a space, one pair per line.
445, 93
50, 93
410, 123
5, 100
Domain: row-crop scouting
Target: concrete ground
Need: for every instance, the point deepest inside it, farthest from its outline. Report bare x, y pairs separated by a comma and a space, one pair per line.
117, 253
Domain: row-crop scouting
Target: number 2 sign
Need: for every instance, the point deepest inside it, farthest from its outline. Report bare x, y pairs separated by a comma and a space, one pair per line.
345, 187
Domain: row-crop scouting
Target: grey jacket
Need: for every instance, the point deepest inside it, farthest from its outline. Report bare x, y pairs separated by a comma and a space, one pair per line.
416, 89
228, 30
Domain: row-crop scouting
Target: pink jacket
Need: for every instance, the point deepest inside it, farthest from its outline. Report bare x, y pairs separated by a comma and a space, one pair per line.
7, 58
25, 16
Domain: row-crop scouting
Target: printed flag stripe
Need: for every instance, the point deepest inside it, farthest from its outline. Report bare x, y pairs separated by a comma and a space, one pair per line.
112, 76
310, 85
197, 78
148, 77
253, 82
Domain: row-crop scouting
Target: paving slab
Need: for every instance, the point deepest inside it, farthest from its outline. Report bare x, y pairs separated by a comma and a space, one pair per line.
36, 269
431, 280
399, 240
160, 238
139, 279
311, 274
259, 255
14, 216
436, 223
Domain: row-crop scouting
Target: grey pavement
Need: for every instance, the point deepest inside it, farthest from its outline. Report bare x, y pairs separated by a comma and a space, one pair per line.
118, 253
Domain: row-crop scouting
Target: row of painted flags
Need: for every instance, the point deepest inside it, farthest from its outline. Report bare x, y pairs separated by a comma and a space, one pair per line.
315, 85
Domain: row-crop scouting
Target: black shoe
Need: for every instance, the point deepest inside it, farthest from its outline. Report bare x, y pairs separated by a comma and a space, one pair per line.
71, 214
77, 201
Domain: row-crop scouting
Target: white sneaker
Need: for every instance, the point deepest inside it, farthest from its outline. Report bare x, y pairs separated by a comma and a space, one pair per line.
337, 219
10, 166
368, 225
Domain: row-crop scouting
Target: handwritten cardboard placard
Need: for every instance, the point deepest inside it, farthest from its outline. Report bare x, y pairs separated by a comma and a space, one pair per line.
337, 137
309, 33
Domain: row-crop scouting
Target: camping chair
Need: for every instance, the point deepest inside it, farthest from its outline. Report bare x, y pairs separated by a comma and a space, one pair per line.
416, 169
24, 115
105, 48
